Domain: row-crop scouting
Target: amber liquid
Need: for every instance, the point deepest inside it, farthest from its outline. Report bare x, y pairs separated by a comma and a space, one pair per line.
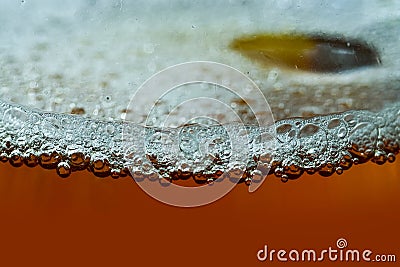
85, 220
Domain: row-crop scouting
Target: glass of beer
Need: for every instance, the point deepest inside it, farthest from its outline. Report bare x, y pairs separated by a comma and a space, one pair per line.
303, 95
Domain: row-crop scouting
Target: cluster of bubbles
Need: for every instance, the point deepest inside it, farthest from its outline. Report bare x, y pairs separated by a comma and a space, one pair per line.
333, 143
323, 144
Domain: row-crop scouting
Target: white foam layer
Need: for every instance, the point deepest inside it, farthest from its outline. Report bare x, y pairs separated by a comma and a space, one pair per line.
93, 55
326, 144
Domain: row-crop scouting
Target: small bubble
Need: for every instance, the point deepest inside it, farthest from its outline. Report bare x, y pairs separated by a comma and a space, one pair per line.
50, 127
210, 181
115, 173
63, 169
30, 159
342, 132
339, 170
183, 166
327, 170
333, 123
110, 129
265, 158
380, 157
308, 130
284, 178
248, 181
16, 159
352, 123
279, 171
391, 157
98, 164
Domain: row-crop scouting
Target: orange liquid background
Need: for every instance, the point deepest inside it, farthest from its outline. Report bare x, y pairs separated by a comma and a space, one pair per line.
89, 221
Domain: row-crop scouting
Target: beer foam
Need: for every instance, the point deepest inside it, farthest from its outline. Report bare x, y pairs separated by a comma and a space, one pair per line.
323, 144
87, 57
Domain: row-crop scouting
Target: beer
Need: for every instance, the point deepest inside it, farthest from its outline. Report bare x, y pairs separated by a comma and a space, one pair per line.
68, 130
